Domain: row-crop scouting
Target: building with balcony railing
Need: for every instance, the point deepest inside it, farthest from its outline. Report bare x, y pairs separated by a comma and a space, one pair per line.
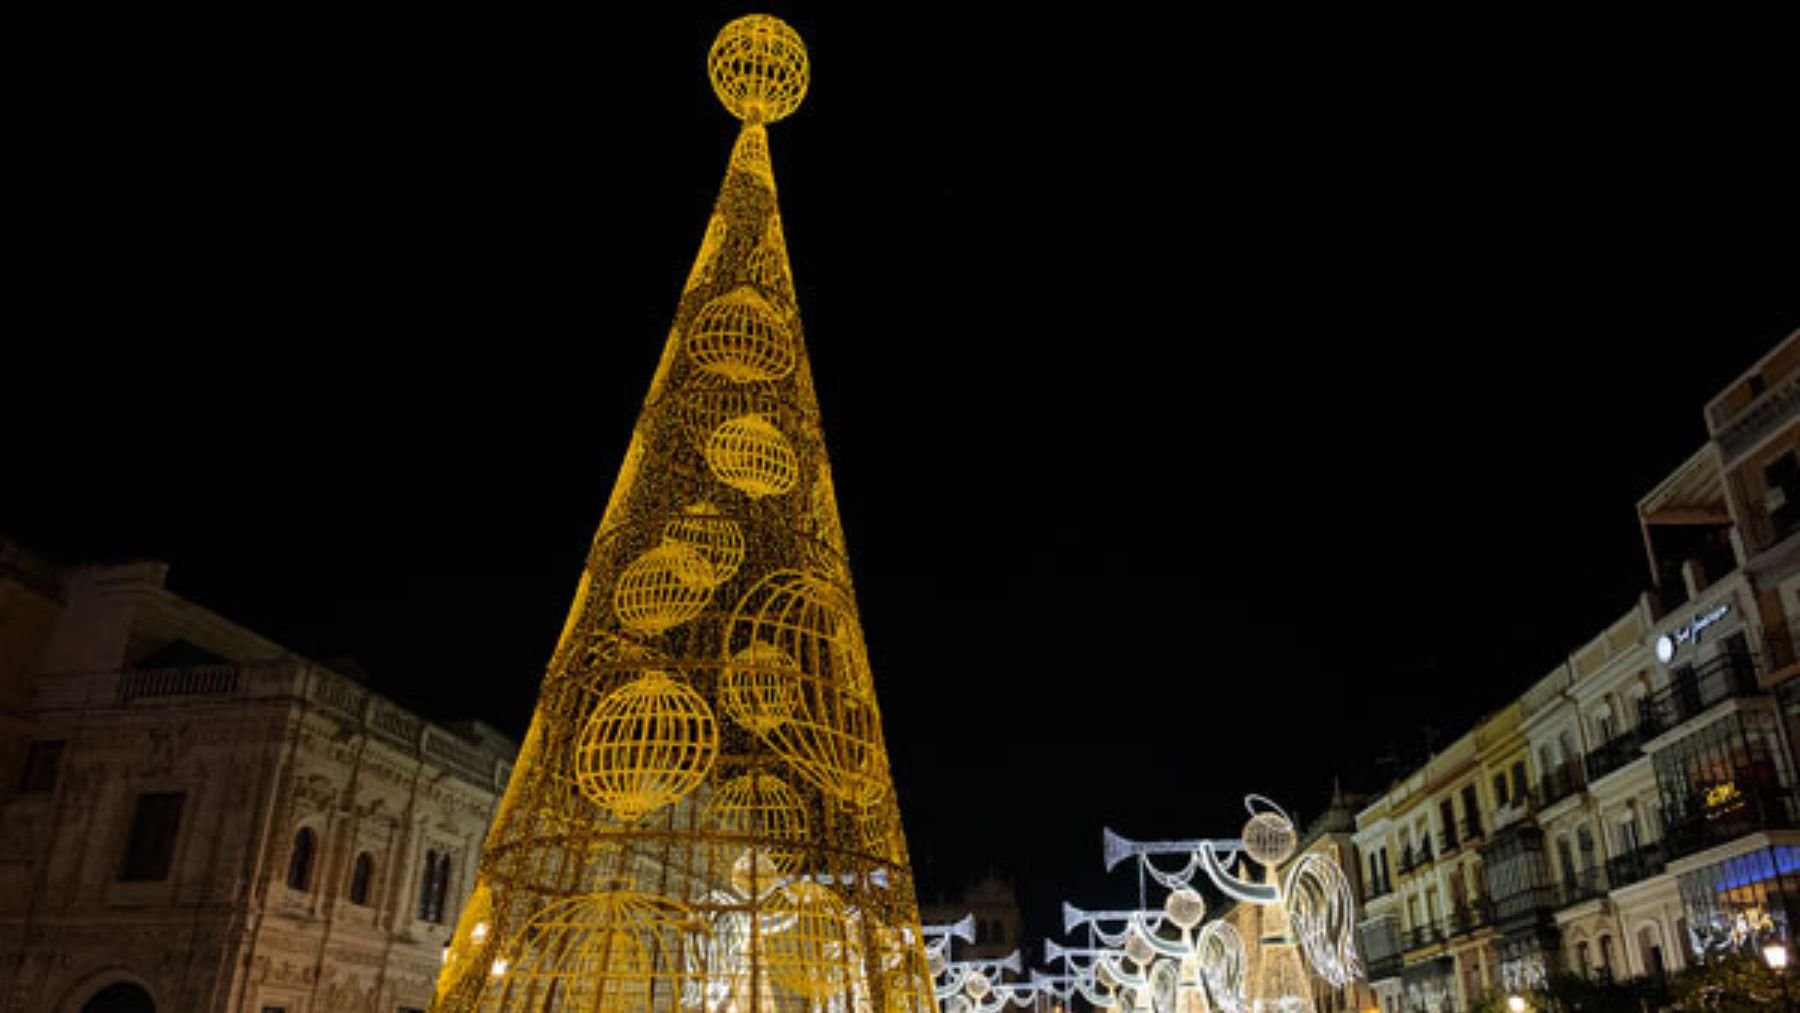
1639, 800
196, 818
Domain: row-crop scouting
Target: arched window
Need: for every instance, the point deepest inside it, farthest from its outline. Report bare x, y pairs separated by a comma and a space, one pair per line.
362, 873
425, 886
300, 860
434, 886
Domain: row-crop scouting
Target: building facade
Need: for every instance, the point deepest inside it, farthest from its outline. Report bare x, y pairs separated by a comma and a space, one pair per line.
196, 819
1636, 805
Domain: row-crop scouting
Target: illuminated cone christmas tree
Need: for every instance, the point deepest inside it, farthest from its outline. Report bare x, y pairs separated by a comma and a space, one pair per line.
702, 818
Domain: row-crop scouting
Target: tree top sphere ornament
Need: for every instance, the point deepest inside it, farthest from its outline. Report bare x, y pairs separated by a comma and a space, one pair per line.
758, 68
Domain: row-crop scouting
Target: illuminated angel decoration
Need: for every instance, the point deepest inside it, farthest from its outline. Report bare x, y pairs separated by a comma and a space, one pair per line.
1308, 920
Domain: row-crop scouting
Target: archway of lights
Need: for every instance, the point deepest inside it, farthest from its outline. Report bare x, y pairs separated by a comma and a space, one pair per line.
1170, 958
702, 817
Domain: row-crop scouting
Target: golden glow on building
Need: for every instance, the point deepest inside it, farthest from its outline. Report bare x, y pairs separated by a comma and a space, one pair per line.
702, 818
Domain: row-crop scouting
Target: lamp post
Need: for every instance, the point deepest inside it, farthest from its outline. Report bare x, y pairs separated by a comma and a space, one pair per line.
1776, 953
1515, 1003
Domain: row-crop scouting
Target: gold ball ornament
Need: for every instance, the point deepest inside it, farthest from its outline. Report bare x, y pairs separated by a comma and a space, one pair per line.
717, 539
758, 68
761, 688
762, 812
752, 456
809, 948
740, 337
1269, 838
649, 743
663, 588
977, 985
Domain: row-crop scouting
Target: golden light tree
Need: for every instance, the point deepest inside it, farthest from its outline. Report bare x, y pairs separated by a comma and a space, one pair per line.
702, 817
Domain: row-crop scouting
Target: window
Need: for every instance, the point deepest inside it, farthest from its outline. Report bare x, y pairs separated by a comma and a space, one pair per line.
151, 846
300, 860
1518, 780
434, 886
1471, 811
1500, 789
42, 760
362, 873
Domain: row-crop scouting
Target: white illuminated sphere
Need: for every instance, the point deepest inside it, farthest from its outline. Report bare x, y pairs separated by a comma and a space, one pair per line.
1269, 838
1185, 907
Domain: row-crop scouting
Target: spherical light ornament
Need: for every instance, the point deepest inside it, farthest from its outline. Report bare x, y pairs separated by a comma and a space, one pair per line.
808, 947
937, 963
740, 337
1185, 907
599, 951
1138, 948
1269, 838
649, 743
977, 985
718, 540
663, 588
761, 687
752, 456
760, 811
758, 68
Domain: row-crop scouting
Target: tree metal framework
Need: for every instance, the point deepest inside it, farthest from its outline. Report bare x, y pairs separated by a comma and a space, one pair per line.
702, 818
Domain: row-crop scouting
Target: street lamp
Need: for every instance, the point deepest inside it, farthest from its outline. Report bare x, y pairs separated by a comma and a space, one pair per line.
1516, 1003
1776, 953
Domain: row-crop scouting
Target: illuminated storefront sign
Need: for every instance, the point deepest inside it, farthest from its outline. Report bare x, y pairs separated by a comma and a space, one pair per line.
1668, 644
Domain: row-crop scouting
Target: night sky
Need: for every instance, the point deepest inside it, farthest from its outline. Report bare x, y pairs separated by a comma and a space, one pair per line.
1215, 406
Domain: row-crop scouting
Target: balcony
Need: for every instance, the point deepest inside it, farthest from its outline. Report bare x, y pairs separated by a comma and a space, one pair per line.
1415, 858
1467, 917
1559, 784
1726, 812
1695, 690
1632, 866
1384, 967
1470, 826
1420, 936
1586, 885
1755, 420
1617, 751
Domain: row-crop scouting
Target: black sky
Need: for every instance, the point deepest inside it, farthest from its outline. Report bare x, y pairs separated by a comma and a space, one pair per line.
1214, 405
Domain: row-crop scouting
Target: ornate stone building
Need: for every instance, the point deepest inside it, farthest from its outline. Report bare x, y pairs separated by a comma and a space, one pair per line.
193, 818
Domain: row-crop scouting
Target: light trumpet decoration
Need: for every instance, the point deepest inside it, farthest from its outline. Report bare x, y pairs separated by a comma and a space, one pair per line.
1308, 914
702, 818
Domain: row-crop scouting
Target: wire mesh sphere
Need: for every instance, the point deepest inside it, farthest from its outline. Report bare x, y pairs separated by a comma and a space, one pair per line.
618, 952
759, 812
808, 945
718, 540
649, 743
752, 456
1269, 838
1185, 907
761, 687
663, 588
740, 337
833, 736
767, 265
758, 68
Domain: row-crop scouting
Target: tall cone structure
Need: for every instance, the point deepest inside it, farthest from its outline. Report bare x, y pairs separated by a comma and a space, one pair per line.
702, 818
